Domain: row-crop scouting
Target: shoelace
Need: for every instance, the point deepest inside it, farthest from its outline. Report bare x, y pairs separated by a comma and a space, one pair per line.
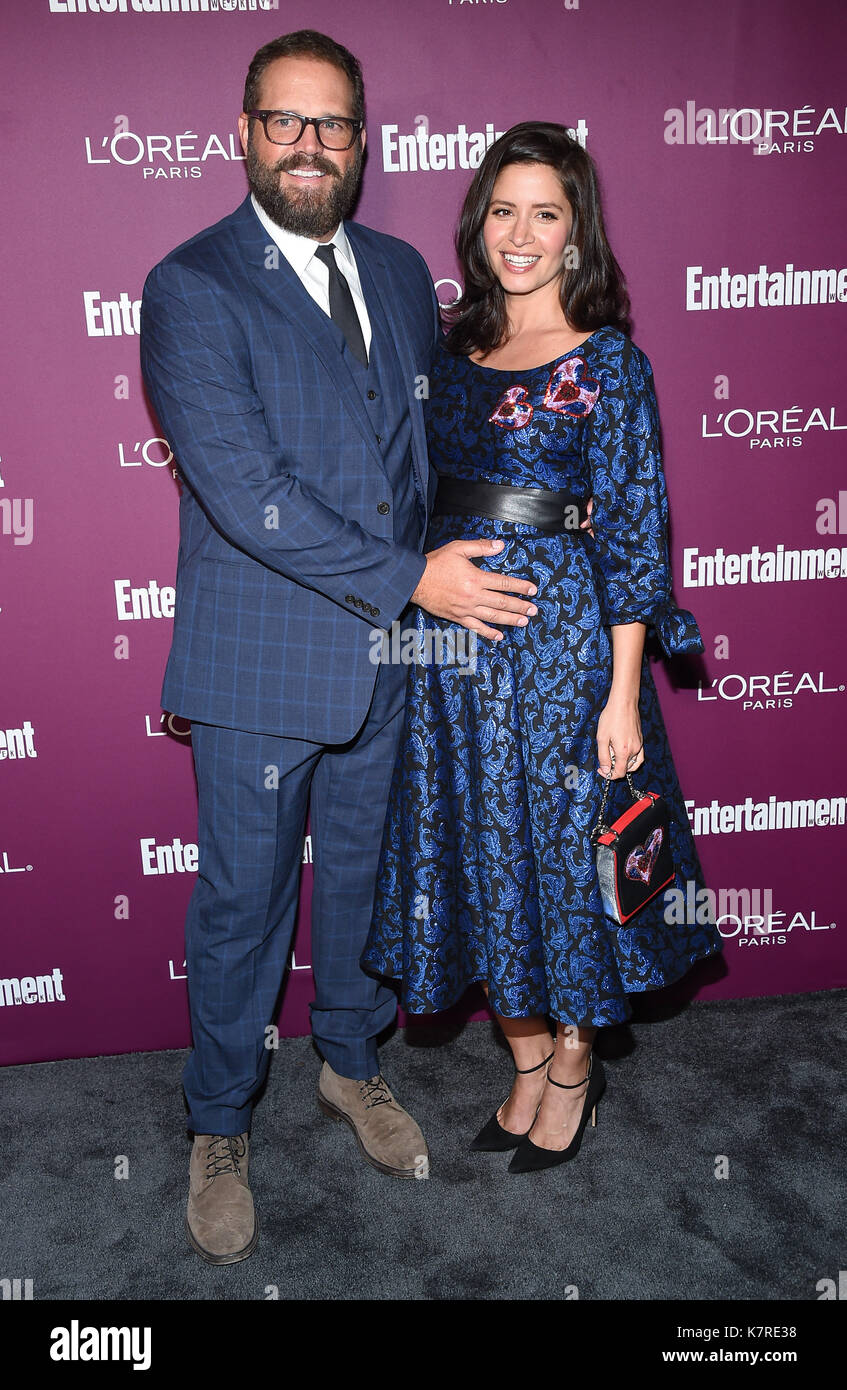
224, 1152
375, 1092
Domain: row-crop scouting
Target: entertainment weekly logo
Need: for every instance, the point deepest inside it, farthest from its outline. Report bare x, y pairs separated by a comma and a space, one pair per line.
769, 130
32, 989
744, 817
178, 857
763, 288
137, 603
18, 742
111, 318
756, 566
160, 6
169, 157
423, 150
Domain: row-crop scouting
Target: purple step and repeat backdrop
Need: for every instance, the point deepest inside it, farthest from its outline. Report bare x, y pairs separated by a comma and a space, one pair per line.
719, 131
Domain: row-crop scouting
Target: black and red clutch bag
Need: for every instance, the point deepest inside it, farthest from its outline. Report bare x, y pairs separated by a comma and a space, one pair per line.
634, 860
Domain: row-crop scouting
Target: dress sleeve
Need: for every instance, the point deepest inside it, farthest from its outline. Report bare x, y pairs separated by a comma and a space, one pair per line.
630, 509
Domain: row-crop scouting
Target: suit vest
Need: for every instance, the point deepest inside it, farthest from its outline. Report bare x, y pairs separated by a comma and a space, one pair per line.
384, 397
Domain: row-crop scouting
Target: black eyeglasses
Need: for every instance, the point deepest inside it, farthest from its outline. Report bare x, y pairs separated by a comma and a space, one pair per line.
286, 128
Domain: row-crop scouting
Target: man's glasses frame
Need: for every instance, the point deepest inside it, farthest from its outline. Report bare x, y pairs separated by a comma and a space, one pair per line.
316, 121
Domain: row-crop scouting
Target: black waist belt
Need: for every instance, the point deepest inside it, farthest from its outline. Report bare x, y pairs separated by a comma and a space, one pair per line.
546, 510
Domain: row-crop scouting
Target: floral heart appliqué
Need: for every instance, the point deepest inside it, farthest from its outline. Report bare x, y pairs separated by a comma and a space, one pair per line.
565, 394
513, 410
641, 861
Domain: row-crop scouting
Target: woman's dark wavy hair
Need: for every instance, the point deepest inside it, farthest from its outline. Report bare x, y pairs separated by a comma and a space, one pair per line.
593, 292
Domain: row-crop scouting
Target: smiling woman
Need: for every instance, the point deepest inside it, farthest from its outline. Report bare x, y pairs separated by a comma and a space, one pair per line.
535, 195
527, 239
540, 406
528, 208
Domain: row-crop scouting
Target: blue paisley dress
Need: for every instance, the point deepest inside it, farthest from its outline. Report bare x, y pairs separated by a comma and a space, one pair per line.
486, 869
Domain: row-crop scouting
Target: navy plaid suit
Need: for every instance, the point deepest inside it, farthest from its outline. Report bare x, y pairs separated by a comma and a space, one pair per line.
286, 567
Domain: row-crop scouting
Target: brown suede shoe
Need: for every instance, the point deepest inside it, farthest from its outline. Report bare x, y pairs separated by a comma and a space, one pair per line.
220, 1220
387, 1136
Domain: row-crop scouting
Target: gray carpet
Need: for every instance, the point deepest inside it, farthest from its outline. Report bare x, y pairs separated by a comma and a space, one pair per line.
638, 1215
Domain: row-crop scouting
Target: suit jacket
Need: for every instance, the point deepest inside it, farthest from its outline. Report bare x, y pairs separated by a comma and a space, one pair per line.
286, 559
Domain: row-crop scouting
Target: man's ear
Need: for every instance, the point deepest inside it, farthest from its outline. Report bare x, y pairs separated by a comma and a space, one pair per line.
363, 136
244, 130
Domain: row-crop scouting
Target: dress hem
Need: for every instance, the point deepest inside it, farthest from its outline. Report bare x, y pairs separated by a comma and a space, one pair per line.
544, 1013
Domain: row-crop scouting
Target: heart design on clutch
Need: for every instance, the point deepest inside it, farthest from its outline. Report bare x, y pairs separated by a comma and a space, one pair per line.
641, 861
567, 395
513, 410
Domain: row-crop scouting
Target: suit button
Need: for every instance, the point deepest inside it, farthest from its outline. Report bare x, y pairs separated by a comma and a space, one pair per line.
383, 508
372, 395
348, 598
375, 612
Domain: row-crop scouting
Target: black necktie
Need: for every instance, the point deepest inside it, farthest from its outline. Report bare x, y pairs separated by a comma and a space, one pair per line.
342, 310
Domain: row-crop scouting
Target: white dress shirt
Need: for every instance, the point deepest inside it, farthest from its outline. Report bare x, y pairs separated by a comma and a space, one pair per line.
299, 251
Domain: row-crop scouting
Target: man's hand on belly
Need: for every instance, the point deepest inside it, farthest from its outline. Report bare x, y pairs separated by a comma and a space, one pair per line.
453, 587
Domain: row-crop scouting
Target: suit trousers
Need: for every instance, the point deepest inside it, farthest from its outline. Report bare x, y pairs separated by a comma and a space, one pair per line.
253, 792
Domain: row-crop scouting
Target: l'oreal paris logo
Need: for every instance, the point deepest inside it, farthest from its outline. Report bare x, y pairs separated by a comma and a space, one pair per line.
176, 156
769, 429
766, 692
768, 130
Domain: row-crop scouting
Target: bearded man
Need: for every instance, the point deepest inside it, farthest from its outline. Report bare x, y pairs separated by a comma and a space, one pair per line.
285, 351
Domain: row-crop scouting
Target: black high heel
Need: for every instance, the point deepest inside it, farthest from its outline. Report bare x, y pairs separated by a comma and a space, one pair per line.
530, 1158
493, 1138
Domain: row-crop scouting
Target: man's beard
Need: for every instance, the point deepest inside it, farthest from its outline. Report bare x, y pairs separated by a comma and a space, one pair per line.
312, 212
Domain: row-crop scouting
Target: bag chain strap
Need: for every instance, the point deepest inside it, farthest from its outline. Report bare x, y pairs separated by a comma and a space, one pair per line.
601, 828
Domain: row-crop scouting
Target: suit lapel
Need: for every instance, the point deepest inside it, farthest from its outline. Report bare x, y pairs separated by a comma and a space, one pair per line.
378, 286
279, 284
